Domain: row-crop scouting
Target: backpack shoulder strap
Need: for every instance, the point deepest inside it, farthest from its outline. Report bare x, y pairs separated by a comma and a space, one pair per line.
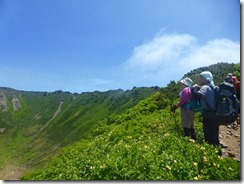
188, 97
215, 94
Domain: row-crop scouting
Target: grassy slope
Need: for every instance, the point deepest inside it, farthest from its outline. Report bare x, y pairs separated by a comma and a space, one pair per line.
79, 113
20, 142
141, 144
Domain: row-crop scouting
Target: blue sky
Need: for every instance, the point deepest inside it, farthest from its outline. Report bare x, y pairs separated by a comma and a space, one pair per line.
88, 45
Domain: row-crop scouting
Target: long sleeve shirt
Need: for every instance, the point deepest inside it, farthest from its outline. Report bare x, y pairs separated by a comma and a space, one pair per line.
185, 95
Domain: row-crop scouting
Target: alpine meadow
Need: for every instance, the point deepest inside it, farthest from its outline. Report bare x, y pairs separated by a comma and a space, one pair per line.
112, 135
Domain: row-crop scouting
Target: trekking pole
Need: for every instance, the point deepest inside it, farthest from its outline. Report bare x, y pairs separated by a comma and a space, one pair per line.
174, 115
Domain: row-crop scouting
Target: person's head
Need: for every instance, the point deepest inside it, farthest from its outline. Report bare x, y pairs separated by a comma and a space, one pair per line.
206, 78
234, 79
228, 79
229, 75
186, 82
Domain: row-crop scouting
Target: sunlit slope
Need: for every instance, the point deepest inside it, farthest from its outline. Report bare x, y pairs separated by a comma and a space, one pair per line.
141, 144
44, 122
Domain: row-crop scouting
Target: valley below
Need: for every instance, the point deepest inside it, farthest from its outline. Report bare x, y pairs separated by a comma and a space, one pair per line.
111, 135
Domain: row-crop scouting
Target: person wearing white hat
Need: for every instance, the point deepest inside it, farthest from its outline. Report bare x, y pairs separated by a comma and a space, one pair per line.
187, 114
206, 94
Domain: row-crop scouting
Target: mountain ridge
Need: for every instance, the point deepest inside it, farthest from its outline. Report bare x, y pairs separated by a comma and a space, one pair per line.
38, 128
23, 132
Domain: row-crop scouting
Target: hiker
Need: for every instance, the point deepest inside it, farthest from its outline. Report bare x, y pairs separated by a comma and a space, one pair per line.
206, 93
237, 85
187, 115
228, 78
227, 104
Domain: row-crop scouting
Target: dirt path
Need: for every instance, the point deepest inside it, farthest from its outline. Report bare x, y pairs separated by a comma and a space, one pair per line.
13, 171
54, 116
230, 138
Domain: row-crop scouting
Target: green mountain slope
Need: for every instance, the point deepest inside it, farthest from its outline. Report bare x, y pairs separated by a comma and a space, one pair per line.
35, 125
219, 72
44, 122
141, 144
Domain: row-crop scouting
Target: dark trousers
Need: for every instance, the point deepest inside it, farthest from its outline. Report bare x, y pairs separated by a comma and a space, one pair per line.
211, 131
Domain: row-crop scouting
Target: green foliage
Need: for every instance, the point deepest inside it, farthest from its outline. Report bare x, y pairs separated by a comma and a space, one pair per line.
219, 72
33, 130
141, 144
172, 90
237, 71
119, 135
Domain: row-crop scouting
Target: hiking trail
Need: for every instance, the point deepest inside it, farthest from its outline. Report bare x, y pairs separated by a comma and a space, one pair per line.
230, 138
54, 116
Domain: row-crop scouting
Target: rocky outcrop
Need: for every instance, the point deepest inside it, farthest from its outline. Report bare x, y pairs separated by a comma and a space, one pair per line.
2, 130
4, 96
16, 103
3, 102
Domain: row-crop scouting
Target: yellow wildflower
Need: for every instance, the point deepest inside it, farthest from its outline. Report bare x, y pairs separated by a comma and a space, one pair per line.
168, 167
205, 159
102, 166
202, 148
192, 140
127, 146
196, 178
166, 135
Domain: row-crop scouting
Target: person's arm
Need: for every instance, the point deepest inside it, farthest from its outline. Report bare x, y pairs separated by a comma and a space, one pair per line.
184, 96
195, 93
183, 99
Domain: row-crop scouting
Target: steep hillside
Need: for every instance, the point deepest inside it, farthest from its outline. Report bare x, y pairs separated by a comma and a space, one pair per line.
141, 144
35, 125
90, 126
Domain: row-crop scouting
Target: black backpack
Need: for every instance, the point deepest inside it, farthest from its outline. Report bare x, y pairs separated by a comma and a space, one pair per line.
227, 104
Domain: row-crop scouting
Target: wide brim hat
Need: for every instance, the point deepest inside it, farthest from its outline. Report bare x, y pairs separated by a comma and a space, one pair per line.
207, 75
186, 81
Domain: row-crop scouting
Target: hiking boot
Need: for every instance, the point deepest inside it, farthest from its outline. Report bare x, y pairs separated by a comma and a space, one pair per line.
220, 153
187, 132
193, 134
223, 145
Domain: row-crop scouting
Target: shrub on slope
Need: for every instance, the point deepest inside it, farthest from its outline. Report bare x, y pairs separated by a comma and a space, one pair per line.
141, 144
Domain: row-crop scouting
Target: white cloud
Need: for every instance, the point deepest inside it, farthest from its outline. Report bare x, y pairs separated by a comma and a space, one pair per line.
100, 81
161, 50
169, 56
218, 50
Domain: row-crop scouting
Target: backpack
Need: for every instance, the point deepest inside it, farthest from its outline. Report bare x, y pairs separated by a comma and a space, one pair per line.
194, 103
196, 106
227, 104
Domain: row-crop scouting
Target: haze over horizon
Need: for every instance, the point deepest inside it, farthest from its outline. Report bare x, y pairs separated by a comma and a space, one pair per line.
89, 45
